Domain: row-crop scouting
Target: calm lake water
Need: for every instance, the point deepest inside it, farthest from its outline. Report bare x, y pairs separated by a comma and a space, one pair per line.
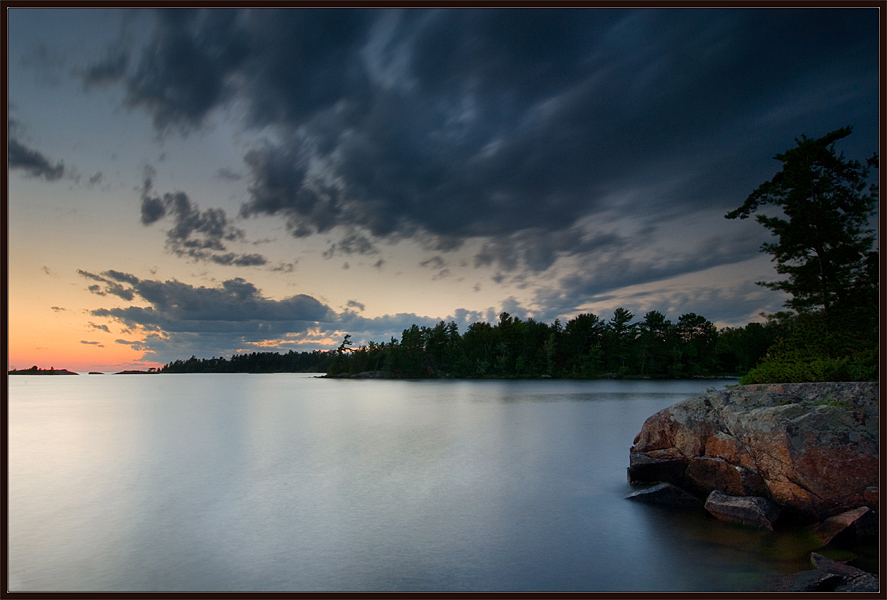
287, 482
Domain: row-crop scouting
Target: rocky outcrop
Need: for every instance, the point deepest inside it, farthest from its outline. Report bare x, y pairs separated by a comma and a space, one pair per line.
811, 448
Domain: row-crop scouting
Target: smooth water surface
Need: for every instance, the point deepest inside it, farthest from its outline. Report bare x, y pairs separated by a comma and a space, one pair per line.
289, 482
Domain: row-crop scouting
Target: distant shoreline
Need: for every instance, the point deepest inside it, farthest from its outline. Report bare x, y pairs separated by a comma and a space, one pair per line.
36, 371
321, 375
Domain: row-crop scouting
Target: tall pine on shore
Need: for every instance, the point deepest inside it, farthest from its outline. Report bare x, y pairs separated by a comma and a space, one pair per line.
825, 249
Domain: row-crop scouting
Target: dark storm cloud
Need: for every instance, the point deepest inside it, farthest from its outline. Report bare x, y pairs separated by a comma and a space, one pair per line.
511, 125
32, 162
235, 305
181, 74
197, 234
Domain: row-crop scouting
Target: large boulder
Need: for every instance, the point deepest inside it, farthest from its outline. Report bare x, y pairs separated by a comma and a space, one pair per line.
812, 448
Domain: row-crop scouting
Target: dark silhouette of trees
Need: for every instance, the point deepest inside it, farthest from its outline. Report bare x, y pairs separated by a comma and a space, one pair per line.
825, 249
585, 348
255, 362
654, 340
824, 239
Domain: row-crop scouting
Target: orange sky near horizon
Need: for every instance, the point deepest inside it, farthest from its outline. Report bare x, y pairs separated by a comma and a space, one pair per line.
57, 342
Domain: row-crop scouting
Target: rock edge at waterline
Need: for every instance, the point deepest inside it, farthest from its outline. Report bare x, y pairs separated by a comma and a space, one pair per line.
810, 448
758, 454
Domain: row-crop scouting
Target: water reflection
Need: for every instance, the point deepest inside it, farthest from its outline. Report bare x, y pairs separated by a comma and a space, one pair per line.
290, 483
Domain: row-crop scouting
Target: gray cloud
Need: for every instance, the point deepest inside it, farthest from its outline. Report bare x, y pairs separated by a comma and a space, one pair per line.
200, 235
618, 270
180, 75
228, 175
355, 304
736, 305
177, 306
111, 287
352, 243
435, 262
180, 319
509, 125
284, 268
98, 344
32, 162
242, 260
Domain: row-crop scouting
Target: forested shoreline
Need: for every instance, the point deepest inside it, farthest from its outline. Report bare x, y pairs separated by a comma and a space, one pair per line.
586, 347
254, 362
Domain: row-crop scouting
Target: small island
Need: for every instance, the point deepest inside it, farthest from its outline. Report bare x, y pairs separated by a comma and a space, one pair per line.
35, 371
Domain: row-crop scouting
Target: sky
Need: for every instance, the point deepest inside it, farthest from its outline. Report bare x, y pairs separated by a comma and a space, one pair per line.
210, 182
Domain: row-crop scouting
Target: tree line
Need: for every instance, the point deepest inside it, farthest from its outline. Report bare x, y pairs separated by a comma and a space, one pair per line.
586, 347
255, 362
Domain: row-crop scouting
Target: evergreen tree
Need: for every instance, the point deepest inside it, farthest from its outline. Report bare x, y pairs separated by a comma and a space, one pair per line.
825, 248
824, 240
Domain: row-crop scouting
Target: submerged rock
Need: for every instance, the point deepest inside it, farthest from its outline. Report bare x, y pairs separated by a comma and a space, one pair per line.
828, 576
856, 524
810, 447
813, 580
666, 494
745, 510
853, 579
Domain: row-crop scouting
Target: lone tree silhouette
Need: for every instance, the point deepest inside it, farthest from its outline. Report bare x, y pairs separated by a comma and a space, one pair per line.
824, 240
